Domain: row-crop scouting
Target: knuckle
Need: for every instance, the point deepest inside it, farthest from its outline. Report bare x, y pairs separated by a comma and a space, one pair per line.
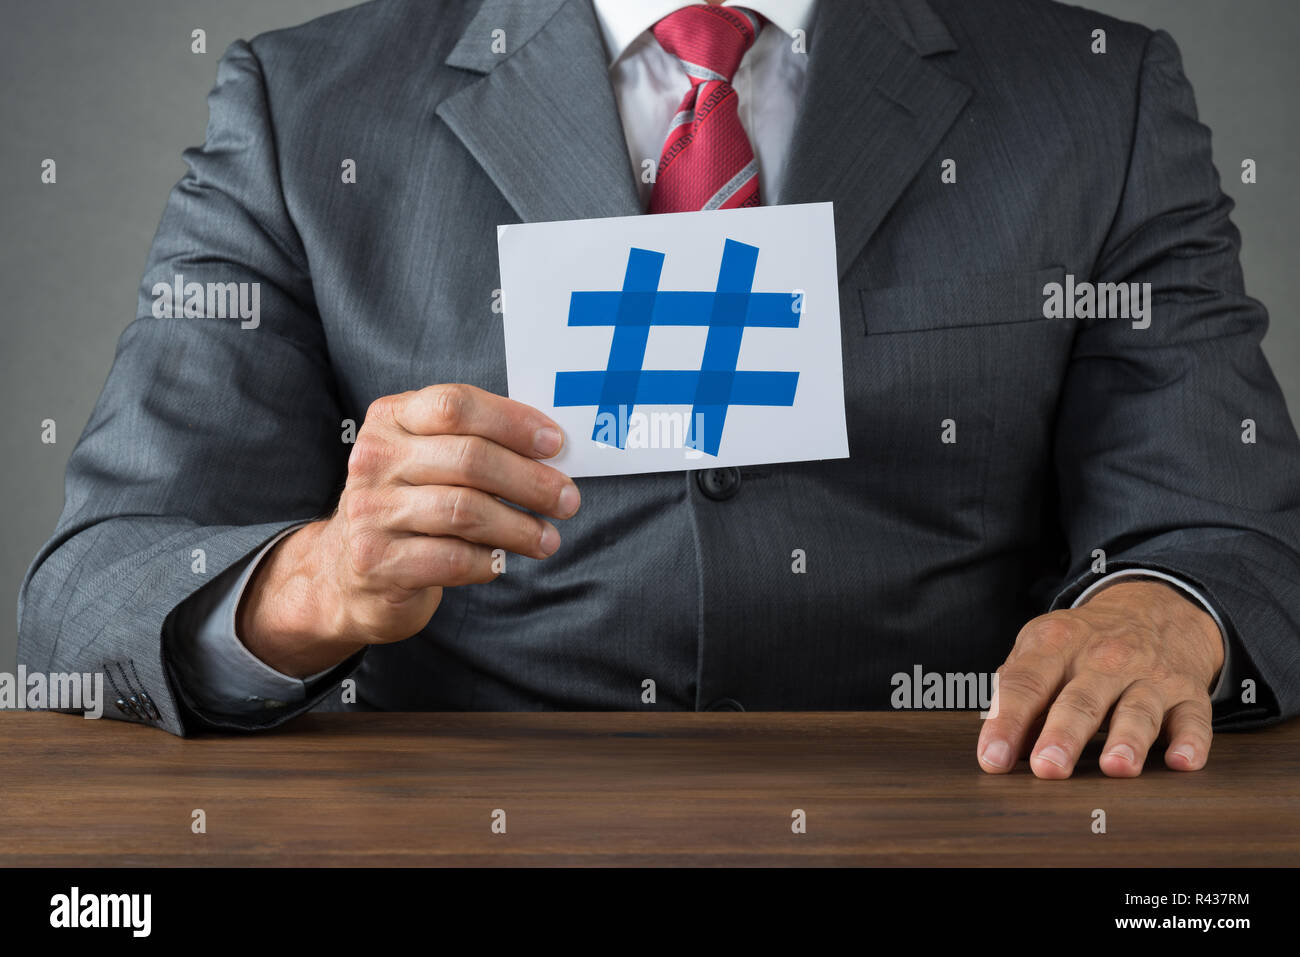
1197, 711
366, 551
447, 407
381, 409
1051, 632
1112, 654
1145, 710
1161, 673
1023, 683
468, 455
362, 507
462, 513
458, 562
370, 455
1198, 721
1083, 702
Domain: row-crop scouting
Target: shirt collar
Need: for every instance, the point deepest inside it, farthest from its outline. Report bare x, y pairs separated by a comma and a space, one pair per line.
622, 21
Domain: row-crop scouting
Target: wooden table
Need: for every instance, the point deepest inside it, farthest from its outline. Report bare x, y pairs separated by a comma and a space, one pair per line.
619, 788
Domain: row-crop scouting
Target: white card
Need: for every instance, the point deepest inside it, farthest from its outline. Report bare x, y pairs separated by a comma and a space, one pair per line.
680, 340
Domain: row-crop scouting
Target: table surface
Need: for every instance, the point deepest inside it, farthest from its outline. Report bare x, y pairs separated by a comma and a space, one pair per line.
620, 788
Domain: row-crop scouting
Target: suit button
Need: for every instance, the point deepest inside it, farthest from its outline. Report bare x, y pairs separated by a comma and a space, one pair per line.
726, 704
718, 484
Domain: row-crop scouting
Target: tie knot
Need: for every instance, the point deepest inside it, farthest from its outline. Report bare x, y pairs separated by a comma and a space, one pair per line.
708, 40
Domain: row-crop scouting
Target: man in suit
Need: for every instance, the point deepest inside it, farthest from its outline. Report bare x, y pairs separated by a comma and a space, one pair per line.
1068, 497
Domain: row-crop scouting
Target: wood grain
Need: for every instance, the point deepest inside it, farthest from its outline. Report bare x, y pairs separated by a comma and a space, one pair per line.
620, 788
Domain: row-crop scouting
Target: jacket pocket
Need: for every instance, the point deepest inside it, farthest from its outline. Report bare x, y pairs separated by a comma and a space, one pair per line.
973, 300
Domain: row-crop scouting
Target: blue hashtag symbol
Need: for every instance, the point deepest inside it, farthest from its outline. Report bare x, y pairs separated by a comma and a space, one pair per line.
712, 389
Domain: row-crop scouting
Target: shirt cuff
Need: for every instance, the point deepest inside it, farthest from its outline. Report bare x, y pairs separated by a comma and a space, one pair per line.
1222, 691
219, 673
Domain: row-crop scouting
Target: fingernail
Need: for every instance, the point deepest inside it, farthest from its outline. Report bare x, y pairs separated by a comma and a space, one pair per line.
550, 540
1123, 751
569, 499
1187, 751
547, 441
998, 754
1054, 755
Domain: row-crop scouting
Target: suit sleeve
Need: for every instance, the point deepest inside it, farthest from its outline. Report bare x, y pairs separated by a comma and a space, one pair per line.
210, 437
217, 675
1174, 448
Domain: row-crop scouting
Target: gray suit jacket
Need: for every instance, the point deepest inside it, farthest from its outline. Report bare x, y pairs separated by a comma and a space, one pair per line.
1071, 435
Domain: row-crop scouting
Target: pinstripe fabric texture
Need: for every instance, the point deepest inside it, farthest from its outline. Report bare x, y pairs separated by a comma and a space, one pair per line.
1071, 435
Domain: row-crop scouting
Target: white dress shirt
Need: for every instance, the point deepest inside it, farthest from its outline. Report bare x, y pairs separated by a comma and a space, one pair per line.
224, 677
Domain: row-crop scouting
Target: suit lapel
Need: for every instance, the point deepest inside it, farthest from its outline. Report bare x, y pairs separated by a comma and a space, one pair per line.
873, 112
541, 120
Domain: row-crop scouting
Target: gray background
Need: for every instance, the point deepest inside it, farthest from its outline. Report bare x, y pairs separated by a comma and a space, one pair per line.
111, 91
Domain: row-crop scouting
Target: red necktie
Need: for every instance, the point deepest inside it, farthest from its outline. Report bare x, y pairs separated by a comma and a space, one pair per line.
707, 162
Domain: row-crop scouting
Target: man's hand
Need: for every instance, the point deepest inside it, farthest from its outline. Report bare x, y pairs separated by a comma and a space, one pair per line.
419, 512
1139, 647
